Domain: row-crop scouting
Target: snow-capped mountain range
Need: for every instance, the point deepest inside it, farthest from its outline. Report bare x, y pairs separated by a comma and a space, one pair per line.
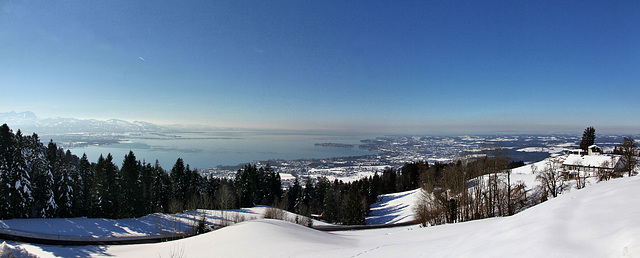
28, 122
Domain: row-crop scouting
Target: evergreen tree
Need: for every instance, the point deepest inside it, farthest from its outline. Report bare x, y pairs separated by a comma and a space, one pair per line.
588, 138
65, 195
247, 184
84, 187
44, 205
322, 186
389, 181
131, 194
354, 207
7, 146
179, 183
55, 168
14, 180
106, 188
377, 184
146, 181
306, 200
161, 189
62, 168
331, 209
409, 176
294, 196
194, 188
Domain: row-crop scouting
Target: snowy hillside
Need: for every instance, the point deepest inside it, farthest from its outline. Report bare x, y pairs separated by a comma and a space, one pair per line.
598, 221
393, 208
150, 226
398, 207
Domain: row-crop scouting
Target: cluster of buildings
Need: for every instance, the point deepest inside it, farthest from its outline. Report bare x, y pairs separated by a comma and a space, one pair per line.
579, 163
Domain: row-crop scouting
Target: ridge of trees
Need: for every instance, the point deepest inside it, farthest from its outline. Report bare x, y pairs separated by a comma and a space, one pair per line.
470, 188
38, 181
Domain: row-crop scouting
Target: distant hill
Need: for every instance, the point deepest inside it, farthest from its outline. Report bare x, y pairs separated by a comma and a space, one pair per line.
28, 122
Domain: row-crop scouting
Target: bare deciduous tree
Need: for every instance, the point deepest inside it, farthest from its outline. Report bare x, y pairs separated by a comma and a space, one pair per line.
629, 151
225, 198
430, 210
550, 178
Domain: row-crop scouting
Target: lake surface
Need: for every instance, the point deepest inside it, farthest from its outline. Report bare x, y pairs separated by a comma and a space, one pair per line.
211, 149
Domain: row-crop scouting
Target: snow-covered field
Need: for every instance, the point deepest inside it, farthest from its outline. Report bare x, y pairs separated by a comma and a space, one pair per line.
154, 225
398, 207
393, 208
598, 221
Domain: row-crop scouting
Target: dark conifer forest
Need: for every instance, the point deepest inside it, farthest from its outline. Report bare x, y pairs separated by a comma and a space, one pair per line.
45, 181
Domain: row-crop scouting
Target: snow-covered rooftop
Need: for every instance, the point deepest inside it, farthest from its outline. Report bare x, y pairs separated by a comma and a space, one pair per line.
591, 160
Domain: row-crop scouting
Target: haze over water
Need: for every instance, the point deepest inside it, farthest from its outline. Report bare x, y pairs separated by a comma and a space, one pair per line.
211, 149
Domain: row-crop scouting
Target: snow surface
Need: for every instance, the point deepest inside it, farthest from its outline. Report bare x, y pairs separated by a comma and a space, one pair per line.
600, 220
393, 208
596, 161
398, 207
154, 225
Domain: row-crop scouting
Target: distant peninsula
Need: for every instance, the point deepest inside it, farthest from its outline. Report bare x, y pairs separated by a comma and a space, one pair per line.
336, 145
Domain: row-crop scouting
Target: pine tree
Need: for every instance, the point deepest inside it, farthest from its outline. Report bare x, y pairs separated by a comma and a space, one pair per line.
246, 183
84, 186
331, 208
272, 186
131, 194
193, 188
353, 207
146, 181
308, 193
389, 180
179, 182
106, 188
7, 146
322, 186
294, 196
588, 138
44, 205
65, 195
20, 180
55, 168
61, 168
161, 189
16, 184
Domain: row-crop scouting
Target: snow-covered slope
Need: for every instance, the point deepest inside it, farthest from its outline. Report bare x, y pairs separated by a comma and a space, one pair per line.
598, 221
393, 208
154, 225
398, 207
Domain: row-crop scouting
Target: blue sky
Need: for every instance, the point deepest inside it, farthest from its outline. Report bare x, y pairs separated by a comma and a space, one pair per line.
384, 66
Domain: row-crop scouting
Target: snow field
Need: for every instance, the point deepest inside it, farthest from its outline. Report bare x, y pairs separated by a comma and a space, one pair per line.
600, 220
153, 225
393, 208
597, 221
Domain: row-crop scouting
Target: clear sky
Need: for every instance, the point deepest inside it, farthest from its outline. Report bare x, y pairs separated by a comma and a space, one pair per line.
387, 66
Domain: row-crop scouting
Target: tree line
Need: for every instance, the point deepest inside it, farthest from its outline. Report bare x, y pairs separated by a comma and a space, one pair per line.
45, 181
38, 181
470, 188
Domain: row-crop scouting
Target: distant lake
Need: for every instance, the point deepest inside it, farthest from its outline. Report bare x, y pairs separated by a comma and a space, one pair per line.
227, 148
